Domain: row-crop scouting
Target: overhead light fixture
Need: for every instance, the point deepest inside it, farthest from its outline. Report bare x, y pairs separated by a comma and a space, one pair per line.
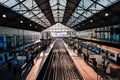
35, 26
91, 20
21, 21
4, 16
106, 14
30, 24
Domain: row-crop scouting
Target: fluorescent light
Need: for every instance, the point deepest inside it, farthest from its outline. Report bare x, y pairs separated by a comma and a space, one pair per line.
91, 20
35, 26
21, 21
106, 14
4, 16
30, 24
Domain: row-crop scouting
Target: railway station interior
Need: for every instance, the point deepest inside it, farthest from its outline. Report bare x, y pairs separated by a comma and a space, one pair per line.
59, 39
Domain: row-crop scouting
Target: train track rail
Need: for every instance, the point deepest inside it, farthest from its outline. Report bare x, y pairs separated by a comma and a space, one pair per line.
60, 65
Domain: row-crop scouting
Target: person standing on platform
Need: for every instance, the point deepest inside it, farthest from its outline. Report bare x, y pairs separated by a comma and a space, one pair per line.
103, 62
79, 51
84, 57
108, 68
95, 64
87, 57
9, 65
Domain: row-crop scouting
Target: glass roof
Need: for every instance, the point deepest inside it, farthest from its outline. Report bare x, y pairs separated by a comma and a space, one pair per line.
30, 9
87, 8
58, 8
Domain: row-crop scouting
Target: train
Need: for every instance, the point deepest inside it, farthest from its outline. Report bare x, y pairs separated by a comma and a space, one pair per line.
19, 51
100, 50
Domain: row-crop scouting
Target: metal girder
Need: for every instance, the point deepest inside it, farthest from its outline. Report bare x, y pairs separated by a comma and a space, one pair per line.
97, 16
17, 4
30, 10
106, 7
13, 20
43, 4
83, 11
100, 18
103, 18
87, 18
41, 12
73, 4
33, 13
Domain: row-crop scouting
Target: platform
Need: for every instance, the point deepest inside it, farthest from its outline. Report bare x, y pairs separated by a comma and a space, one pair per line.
86, 71
38, 63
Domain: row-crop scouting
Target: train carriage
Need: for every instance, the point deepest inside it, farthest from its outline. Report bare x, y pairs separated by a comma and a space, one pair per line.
95, 49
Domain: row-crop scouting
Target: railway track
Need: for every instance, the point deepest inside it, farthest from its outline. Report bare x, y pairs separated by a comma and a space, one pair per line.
60, 65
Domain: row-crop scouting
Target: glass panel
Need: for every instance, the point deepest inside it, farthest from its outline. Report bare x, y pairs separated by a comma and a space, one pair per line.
93, 8
36, 12
30, 4
28, 14
75, 14
87, 14
40, 15
20, 9
9, 3
61, 12
79, 10
54, 7
53, 2
61, 7
63, 2
96, 8
3, 1
33, 19
23, 8
107, 2
55, 12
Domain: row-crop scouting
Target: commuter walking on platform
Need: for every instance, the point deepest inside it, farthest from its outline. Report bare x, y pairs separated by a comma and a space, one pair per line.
87, 58
84, 57
95, 64
108, 68
19, 70
9, 65
106, 64
79, 51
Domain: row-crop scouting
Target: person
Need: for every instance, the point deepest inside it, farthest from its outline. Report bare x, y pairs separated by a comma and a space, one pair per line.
84, 57
87, 58
19, 70
32, 56
108, 68
103, 63
32, 59
107, 53
95, 64
79, 51
15, 69
9, 65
